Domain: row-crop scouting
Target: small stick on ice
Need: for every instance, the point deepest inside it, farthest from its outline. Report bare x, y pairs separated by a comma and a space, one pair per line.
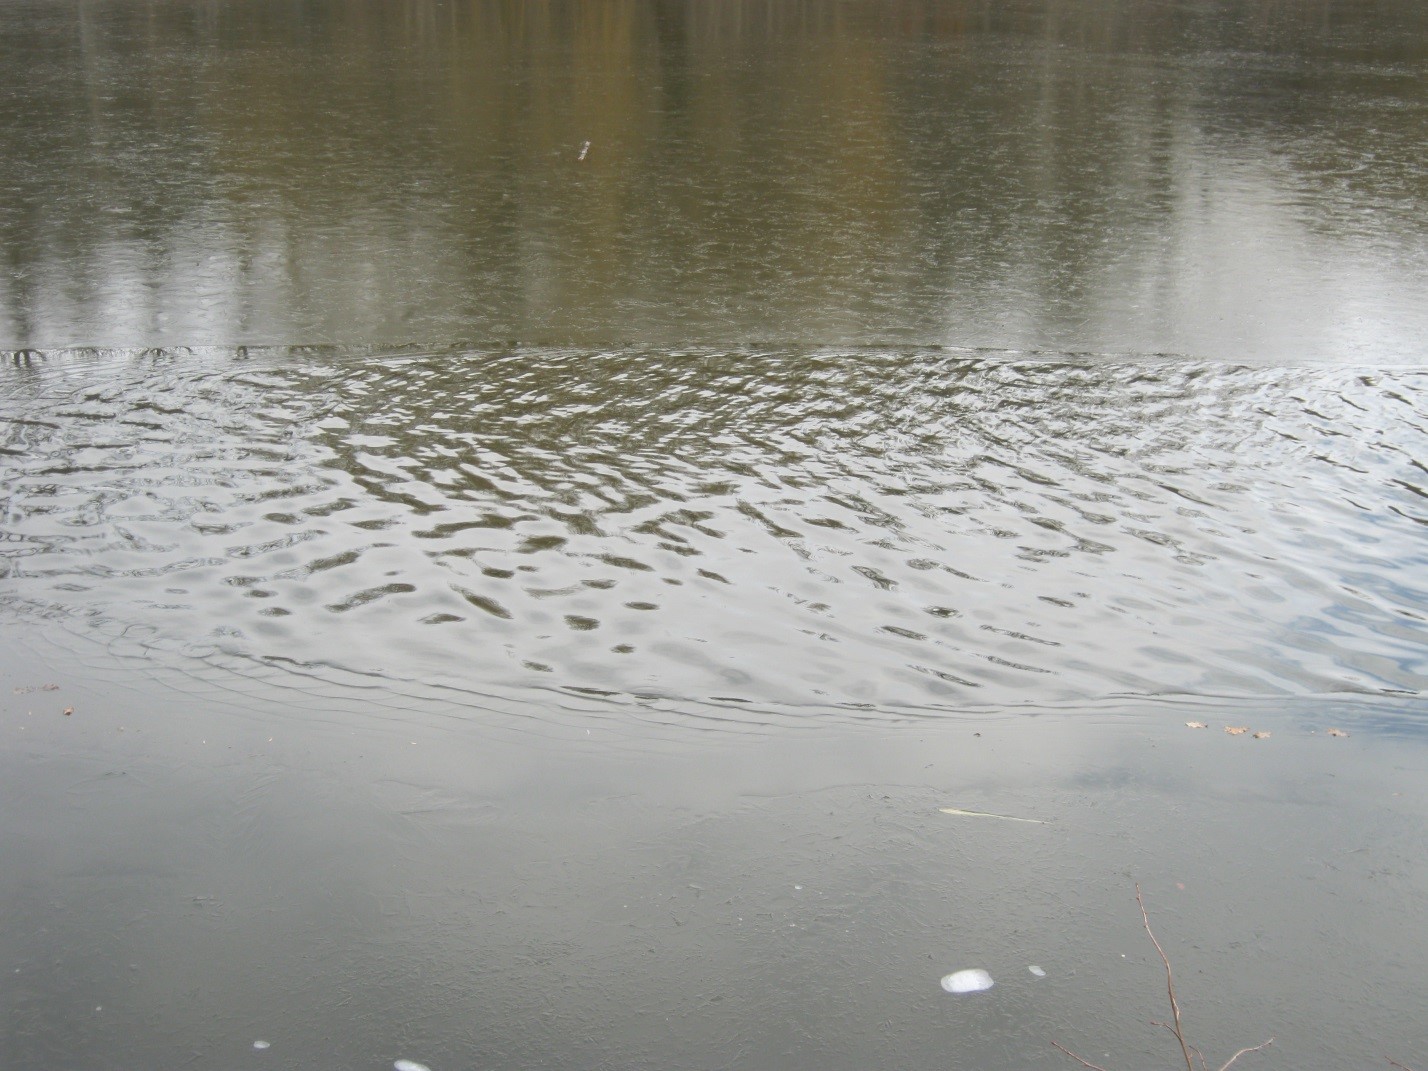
1253, 1048
988, 814
1169, 982
1175, 1027
1083, 1063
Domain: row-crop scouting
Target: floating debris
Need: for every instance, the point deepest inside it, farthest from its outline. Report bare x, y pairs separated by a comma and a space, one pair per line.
1236, 730
1261, 736
1037, 971
409, 1065
584, 152
987, 814
969, 981
1196, 725
261, 1044
1337, 732
67, 711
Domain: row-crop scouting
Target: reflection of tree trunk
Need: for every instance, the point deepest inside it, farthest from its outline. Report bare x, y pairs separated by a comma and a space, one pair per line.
1030, 169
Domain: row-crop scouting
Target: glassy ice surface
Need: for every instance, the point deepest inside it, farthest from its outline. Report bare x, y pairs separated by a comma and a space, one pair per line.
473, 596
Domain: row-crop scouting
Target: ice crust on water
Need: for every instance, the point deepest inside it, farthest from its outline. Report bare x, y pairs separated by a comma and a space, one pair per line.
969, 981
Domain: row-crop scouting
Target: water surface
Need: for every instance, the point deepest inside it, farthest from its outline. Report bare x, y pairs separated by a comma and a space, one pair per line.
516, 519
881, 531
1239, 180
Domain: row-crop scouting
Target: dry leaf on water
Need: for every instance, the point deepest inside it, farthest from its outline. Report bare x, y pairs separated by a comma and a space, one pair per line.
68, 711
1337, 732
1196, 725
1236, 730
1261, 736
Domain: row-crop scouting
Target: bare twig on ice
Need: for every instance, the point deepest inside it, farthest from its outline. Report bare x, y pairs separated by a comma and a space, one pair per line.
1178, 1030
1176, 1027
1200, 1056
1083, 1063
1253, 1048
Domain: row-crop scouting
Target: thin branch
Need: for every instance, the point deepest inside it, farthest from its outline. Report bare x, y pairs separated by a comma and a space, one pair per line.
1253, 1048
1177, 1027
1390, 1059
1196, 1052
1083, 1063
1179, 1031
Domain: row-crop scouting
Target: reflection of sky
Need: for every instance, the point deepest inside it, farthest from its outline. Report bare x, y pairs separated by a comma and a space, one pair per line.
359, 876
1242, 276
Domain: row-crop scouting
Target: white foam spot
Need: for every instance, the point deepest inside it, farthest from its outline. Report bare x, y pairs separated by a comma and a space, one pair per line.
260, 1044
970, 981
409, 1065
1034, 969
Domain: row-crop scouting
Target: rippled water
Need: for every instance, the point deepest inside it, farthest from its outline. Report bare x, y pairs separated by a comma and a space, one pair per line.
417, 419
905, 529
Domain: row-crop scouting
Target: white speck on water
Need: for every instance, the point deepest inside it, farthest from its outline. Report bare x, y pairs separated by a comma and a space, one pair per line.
798, 888
409, 1065
969, 981
1034, 969
260, 1044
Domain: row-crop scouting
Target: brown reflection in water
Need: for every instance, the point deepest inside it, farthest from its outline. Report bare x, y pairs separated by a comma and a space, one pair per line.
1234, 180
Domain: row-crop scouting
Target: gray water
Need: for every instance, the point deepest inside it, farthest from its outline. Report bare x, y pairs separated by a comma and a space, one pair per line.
759, 534
477, 597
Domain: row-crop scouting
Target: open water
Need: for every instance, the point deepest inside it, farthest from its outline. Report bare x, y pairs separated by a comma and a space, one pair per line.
518, 518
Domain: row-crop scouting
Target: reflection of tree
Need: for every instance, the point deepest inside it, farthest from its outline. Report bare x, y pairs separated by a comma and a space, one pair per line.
989, 172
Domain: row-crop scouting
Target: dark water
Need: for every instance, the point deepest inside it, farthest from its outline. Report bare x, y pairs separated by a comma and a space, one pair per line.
470, 604
1235, 180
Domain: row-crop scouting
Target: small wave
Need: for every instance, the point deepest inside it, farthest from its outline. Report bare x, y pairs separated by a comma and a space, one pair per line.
884, 530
